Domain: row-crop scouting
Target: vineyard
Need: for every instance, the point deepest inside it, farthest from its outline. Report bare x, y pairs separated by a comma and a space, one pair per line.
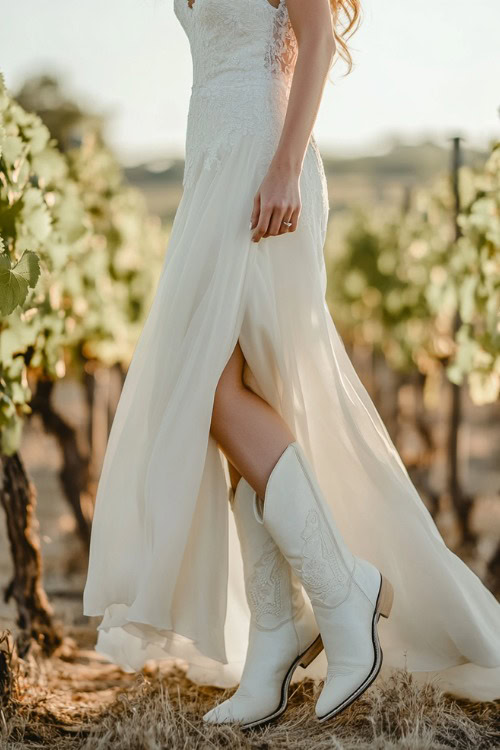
415, 293
418, 291
423, 287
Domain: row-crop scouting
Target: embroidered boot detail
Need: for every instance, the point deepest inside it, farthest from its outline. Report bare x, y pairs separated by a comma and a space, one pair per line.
269, 588
322, 570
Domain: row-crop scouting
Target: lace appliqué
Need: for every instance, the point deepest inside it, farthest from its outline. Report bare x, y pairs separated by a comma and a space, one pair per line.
322, 570
281, 53
269, 588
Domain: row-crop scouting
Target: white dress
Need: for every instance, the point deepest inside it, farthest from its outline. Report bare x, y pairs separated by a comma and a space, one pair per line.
165, 570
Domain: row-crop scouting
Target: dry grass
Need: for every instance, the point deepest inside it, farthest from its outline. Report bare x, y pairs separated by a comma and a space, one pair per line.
76, 700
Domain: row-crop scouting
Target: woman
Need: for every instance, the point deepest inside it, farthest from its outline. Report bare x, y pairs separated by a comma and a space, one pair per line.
240, 385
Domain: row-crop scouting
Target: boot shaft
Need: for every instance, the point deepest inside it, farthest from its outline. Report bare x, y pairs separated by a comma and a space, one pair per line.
274, 594
300, 522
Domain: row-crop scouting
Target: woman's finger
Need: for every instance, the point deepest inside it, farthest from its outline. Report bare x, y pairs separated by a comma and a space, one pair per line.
294, 219
255, 211
284, 224
276, 221
262, 224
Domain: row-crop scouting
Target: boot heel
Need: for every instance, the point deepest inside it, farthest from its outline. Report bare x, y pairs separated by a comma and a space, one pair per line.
386, 598
312, 652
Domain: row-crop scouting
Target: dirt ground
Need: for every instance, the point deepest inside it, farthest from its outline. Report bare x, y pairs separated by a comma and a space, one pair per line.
79, 701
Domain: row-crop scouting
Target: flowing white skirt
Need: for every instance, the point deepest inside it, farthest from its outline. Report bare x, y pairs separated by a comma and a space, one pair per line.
165, 570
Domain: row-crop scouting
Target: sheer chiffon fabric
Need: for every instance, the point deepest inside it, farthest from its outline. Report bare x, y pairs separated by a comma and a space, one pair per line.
165, 568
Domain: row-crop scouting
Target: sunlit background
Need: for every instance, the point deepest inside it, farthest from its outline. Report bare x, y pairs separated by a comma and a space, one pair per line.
422, 68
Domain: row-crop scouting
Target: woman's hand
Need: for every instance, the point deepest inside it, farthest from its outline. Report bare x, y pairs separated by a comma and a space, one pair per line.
276, 201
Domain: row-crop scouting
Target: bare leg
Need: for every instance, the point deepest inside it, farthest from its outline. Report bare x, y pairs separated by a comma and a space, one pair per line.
234, 474
250, 432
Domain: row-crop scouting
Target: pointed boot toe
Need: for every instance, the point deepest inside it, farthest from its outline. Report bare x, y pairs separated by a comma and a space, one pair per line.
340, 684
221, 714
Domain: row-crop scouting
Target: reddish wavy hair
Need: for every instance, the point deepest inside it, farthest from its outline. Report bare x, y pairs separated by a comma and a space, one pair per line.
346, 20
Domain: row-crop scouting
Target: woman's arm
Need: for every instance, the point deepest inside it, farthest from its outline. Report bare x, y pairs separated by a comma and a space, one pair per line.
278, 197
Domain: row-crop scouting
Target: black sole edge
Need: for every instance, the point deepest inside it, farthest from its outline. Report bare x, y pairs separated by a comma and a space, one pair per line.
377, 665
284, 693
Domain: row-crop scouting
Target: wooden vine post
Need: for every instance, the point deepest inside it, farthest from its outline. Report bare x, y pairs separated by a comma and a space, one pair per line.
462, 503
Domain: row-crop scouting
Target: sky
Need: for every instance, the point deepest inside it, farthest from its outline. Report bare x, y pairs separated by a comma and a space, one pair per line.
423, 69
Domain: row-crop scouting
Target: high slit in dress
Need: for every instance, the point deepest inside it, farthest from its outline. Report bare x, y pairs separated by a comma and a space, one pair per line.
165, 571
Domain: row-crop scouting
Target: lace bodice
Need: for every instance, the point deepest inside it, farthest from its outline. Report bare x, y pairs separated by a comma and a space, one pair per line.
244, 53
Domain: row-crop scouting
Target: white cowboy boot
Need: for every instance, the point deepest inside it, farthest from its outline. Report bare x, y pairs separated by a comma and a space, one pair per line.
348, 594
283, 631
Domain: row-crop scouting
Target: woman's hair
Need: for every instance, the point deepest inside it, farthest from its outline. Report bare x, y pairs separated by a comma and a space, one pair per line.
346, 19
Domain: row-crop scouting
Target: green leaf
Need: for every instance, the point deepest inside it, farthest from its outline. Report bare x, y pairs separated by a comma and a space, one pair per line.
49, 166
484, 387
467, 300
12, 148
34, 220
2, 136
16, 280
11, 437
